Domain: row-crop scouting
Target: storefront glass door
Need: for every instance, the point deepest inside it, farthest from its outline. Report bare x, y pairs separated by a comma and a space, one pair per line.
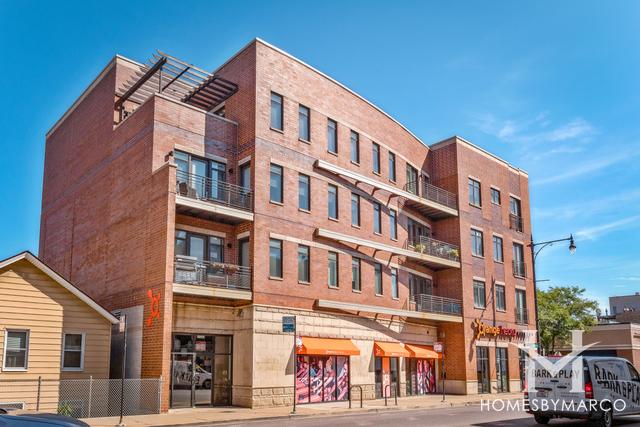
386, 376
182, 372
482, 361
502, 370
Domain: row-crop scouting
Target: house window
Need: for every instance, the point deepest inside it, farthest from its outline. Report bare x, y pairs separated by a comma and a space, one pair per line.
16, 350
332, 201
501, 303
303, 264
304, 123
412, 179
73, 352
477, 247
355, 147
355, 209
275, 258
199, 246
378, 278
375, 154
275, 184
245, 176
518, 260
475, 198
392, 166
479, 296
332, 136
377, 221
355, 274
497, 249
495, 196
304, 192
332, 271
393, 224
522, 317
394, 283
515, 214
276, 111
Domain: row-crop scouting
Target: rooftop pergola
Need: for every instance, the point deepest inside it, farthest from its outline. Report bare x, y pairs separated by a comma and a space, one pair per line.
175, 78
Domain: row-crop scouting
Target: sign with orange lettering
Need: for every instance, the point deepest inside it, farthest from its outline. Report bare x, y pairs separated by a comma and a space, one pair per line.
154, 310
483, 330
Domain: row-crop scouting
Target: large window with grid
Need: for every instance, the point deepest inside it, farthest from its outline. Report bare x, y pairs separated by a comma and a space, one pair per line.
479, 295
477, 246
475, 196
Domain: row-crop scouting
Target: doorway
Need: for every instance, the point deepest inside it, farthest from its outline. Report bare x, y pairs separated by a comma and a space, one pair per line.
386, 373
482, 361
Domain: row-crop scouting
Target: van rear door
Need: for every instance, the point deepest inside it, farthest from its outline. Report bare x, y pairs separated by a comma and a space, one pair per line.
556, 387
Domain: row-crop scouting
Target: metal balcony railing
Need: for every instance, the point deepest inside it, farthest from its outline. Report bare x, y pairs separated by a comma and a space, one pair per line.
522, 316
191, 271
433, 247
519, 269
434, 304
220, 192
431, 192
515, 222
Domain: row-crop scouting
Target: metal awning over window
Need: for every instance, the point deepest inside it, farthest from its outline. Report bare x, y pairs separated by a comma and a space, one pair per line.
177, 79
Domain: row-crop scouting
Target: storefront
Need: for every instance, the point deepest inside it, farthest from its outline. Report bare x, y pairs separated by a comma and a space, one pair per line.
201, 370
323, 369
421, 370
387, 367
482, 362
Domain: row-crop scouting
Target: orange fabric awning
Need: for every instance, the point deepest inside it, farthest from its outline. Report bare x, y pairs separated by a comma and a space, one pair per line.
423, 351
390, 349
328, 347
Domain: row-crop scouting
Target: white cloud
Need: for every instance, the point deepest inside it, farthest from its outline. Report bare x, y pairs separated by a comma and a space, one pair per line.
592, 206
629, 279
574, 129
592, 233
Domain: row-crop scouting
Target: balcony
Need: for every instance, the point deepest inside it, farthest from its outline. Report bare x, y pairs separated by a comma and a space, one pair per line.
430, 192
429, 200
515, 222
519, 269
522, 316
436, 248
435, 304
213, 279
433, 254
201, 196
410, 312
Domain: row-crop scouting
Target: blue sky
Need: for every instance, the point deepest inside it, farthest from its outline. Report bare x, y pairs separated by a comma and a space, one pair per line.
552, 87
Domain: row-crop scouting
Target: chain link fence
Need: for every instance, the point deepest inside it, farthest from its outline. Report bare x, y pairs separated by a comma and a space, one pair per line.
84, 398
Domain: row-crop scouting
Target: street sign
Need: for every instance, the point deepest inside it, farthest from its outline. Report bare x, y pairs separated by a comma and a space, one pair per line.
288, 324
438, 347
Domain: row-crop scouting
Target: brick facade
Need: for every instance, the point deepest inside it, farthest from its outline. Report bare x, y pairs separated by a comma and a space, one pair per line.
109, 216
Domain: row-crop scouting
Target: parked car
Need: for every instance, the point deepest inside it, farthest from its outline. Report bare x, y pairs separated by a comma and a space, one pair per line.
38, 420
610, 388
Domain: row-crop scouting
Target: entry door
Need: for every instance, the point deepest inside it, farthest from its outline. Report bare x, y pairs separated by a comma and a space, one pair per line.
182, 376
415, 230
198, 170
244, 252
218, 179
482, 361
502, 370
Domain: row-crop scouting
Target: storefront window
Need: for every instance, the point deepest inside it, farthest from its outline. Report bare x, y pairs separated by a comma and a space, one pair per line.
502, 370
420, 376
322, 379
386, 376
482, 361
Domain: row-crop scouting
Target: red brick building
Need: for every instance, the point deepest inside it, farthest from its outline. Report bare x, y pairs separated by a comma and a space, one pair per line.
208, 206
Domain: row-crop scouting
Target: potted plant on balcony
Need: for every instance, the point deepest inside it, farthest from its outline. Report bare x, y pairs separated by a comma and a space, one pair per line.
454, 253
419, 247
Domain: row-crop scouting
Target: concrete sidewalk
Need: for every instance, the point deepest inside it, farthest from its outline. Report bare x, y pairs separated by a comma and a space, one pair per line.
231, 414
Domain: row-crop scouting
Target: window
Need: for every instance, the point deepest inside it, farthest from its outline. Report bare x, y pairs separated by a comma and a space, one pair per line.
275, 184
377, 220
303, 264
522, 316
355, 209
412, 179
275, 258
515, 214
475, 198
518, 260
378, 278
394, 283
199, 246
392, 166
245, 176
479, 296
355, 274
497, 249
304, 123
16, 350
495, 196
355, 147
304, 192
332, 136
501, 303
276, 111
477, 247
73, 352
393, 224
375, 155
332, 271
332, 201
633, 373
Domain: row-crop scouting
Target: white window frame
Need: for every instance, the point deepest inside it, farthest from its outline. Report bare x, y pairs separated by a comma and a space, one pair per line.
82, 348
4, 352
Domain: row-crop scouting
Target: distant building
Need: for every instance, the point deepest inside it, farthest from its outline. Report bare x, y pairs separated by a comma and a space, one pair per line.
624, 304
614, 339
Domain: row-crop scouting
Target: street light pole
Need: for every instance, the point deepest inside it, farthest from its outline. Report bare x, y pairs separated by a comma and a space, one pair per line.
534, 254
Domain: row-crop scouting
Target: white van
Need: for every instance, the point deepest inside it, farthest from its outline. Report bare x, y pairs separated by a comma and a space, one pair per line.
609, 387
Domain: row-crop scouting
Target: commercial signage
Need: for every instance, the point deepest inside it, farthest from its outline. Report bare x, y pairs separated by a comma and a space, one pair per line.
438, 347
288, 324
489, 331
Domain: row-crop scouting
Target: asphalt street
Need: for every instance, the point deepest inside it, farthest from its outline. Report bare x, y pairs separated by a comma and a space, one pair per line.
454, 417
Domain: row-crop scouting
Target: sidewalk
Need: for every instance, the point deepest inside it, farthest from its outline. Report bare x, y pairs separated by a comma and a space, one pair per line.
230, 414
